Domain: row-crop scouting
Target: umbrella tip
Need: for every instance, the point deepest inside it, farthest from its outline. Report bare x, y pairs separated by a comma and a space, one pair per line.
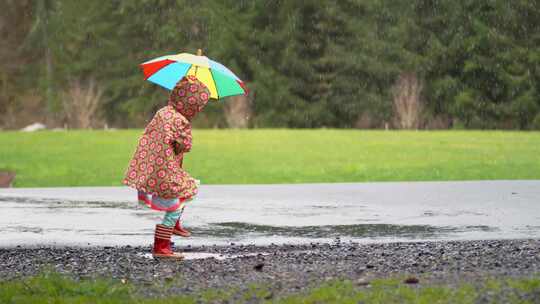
199, 52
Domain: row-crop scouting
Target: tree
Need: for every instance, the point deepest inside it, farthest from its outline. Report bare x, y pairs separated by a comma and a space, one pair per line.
39, 44
477, 58
15, 22
306, 63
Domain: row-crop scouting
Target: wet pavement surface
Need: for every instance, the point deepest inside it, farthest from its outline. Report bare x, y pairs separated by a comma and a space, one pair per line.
265, 214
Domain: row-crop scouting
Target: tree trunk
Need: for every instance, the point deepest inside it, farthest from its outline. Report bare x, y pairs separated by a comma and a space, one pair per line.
238, 112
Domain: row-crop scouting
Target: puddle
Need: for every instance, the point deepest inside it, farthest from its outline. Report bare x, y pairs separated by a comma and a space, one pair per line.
207, 255
329, 231
453, 214
32, 229
57, 204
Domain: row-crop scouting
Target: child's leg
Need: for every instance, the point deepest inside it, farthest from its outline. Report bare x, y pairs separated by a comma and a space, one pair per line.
162, 236
182, 207
171, 217
178, 228
164, 231
143, 198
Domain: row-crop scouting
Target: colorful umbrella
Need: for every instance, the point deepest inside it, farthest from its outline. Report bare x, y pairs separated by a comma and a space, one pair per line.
166, 71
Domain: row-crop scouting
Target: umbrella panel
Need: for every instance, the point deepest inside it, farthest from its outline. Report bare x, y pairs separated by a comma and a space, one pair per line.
205, 76
168, 76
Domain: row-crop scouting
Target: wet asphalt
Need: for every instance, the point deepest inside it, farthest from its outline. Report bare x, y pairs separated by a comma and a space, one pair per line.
281, 214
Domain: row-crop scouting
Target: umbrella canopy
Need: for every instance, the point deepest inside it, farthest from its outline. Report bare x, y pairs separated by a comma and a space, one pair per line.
167, 70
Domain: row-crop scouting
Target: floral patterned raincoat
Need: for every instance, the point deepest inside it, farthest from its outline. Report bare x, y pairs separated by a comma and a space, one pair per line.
156, 166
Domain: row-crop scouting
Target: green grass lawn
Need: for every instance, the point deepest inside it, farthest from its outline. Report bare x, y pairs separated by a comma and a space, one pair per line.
92, 158
52, 288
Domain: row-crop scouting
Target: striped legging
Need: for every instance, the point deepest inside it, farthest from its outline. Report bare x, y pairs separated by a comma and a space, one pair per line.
171, 216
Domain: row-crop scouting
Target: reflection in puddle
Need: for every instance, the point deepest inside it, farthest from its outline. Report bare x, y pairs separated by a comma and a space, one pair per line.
22, 229
56, 204
456, 213
237, 229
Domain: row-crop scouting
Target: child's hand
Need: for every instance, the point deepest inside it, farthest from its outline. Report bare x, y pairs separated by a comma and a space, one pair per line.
181, 147
178, 147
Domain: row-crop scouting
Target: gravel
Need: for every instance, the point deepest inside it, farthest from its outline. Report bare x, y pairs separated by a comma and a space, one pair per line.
284, 268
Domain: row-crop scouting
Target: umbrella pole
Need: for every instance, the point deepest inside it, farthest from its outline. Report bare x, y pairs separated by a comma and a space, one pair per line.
199, 53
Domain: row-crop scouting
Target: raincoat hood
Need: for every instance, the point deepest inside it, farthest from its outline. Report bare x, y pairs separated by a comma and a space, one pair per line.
189, 97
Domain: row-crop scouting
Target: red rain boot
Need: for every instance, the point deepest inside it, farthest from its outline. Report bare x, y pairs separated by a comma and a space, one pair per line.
162, 244
180, 231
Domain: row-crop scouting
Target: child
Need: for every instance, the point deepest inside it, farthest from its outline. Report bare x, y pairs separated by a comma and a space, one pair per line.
156, 168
